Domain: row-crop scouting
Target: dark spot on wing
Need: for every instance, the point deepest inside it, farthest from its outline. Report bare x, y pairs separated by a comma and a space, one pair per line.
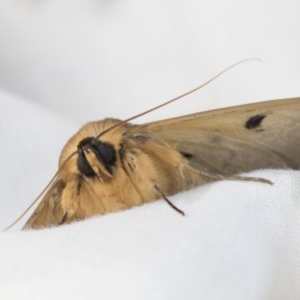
137, 138
141, 138
121, 150
64, 219
186, 154
254, 121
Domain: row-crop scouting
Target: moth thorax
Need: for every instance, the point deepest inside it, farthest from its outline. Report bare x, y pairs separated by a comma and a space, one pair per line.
96, 158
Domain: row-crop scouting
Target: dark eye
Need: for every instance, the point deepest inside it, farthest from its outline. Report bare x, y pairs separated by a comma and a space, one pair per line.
105, 153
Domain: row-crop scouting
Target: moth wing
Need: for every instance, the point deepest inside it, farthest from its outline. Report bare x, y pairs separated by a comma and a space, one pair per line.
48, 212
236, 139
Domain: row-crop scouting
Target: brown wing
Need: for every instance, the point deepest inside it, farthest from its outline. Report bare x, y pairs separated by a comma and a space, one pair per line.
49, 212
237, 139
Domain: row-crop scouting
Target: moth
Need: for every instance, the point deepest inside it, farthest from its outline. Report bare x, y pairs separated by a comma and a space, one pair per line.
112, 165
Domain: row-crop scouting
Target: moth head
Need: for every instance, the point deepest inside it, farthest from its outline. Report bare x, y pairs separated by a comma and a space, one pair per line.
96, 158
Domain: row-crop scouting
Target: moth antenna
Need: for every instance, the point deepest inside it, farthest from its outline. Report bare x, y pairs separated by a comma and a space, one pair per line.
33, 202
180, 96
40, 194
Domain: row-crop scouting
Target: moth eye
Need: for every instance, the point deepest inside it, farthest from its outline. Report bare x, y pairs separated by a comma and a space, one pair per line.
254, 121
104, 152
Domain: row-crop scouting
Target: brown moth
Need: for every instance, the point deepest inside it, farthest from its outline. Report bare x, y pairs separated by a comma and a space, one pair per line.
111, 165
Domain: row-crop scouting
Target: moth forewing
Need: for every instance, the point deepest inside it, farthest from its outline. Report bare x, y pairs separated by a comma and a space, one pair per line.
237, 139
49, 212
133, 164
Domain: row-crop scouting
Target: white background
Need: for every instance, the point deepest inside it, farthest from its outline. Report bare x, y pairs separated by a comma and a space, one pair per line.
63, 63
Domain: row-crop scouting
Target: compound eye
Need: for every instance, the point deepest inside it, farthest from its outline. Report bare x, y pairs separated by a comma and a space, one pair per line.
105, 153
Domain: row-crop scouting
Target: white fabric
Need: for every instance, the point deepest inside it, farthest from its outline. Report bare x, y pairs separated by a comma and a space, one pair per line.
63, 63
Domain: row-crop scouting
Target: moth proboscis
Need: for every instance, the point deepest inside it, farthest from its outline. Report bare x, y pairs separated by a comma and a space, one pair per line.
111, 165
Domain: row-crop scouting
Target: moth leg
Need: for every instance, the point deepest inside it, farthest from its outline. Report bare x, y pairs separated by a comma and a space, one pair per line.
234, 177
161, 193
